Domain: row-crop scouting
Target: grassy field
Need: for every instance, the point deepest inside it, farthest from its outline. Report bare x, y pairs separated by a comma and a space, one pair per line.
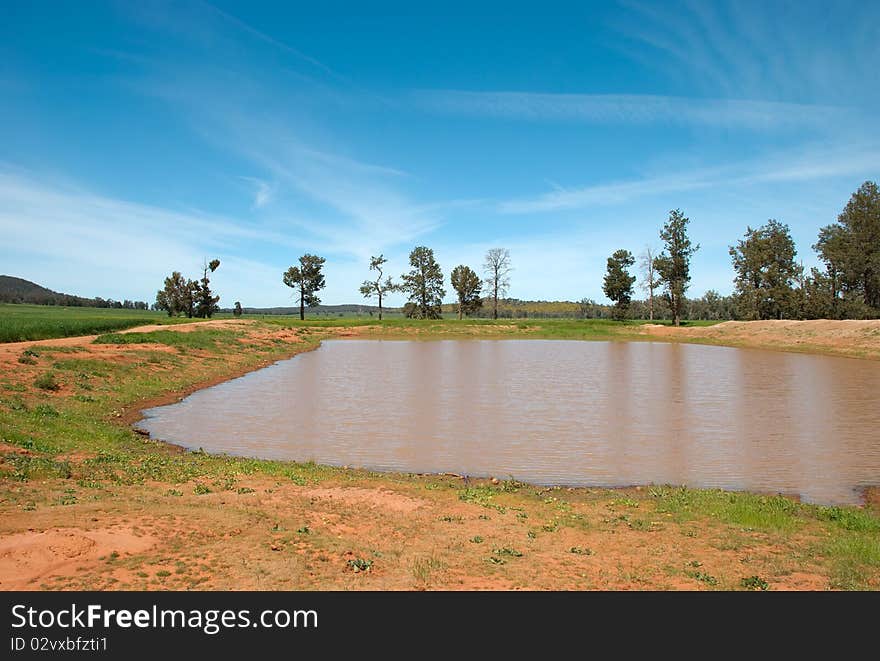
87, 503
20, 323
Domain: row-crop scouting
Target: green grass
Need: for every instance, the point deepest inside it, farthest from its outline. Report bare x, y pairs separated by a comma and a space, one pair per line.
21, 323
209, 338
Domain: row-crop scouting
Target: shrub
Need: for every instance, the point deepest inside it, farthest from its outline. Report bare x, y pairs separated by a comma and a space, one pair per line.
47, 381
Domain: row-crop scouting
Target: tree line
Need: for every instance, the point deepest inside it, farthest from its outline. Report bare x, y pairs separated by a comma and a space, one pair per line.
769, 282
424, 283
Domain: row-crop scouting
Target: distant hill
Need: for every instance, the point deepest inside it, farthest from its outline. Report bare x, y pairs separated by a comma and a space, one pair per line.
19, 290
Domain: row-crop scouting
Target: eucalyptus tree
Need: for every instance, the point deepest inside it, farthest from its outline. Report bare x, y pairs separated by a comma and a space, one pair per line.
424, 284
766, 270
850, 249
306, 279
497, 268
467, 286
378, 287
618, 283
673, 263
205, 301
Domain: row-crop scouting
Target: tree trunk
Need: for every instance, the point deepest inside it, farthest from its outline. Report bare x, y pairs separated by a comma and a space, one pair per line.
495, 299
651, 303
380, 306
459, 310
302, 305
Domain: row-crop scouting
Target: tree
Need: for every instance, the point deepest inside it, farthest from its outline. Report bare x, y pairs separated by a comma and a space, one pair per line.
376, 287
649, 281
236, 311
673, 264
308, 280
618, 283
176, 297
850, 249
766, 269
424, 283
467, 286
206, 302
497, 270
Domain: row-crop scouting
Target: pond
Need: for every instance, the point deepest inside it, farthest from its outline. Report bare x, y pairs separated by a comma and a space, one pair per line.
555, 413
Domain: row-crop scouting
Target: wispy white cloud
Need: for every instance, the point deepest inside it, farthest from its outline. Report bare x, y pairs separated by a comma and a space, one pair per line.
630, 109
803, 165
744, 49
264, 192
67, 237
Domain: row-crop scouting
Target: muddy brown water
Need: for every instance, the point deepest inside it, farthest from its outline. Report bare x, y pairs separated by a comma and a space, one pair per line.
555, 412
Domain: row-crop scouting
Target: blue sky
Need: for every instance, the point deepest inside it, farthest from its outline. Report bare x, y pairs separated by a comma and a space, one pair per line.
137, 138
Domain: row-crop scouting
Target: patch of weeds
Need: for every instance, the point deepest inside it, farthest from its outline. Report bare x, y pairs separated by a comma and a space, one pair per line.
553, 526
531, 534
450, 519
16, 403
856, 520
695, 563
360, 565
522, 515
68, 497
495, 560
476, 539
244, 490
29, 506
173, 492
744, 510
506, 551
304, 530
854, 559
25, 468
47, 381
708, 579
46, 410
163, 573
754, 583
25, 359
626, 502
481, 495
85, 398
225, 484
423, 568
201, 489
579, 550
641, 524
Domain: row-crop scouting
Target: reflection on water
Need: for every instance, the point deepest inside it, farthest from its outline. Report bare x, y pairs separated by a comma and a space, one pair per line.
555, 412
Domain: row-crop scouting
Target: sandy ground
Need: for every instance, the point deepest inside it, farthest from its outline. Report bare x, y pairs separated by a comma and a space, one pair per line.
858, 338
411, 536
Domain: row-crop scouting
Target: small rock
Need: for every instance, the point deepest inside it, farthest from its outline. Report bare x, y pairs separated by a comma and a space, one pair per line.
494, 480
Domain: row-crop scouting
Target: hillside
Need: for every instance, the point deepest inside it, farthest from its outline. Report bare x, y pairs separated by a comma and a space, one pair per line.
19, 290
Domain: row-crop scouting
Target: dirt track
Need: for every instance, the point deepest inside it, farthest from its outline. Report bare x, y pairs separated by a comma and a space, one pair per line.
82, 340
